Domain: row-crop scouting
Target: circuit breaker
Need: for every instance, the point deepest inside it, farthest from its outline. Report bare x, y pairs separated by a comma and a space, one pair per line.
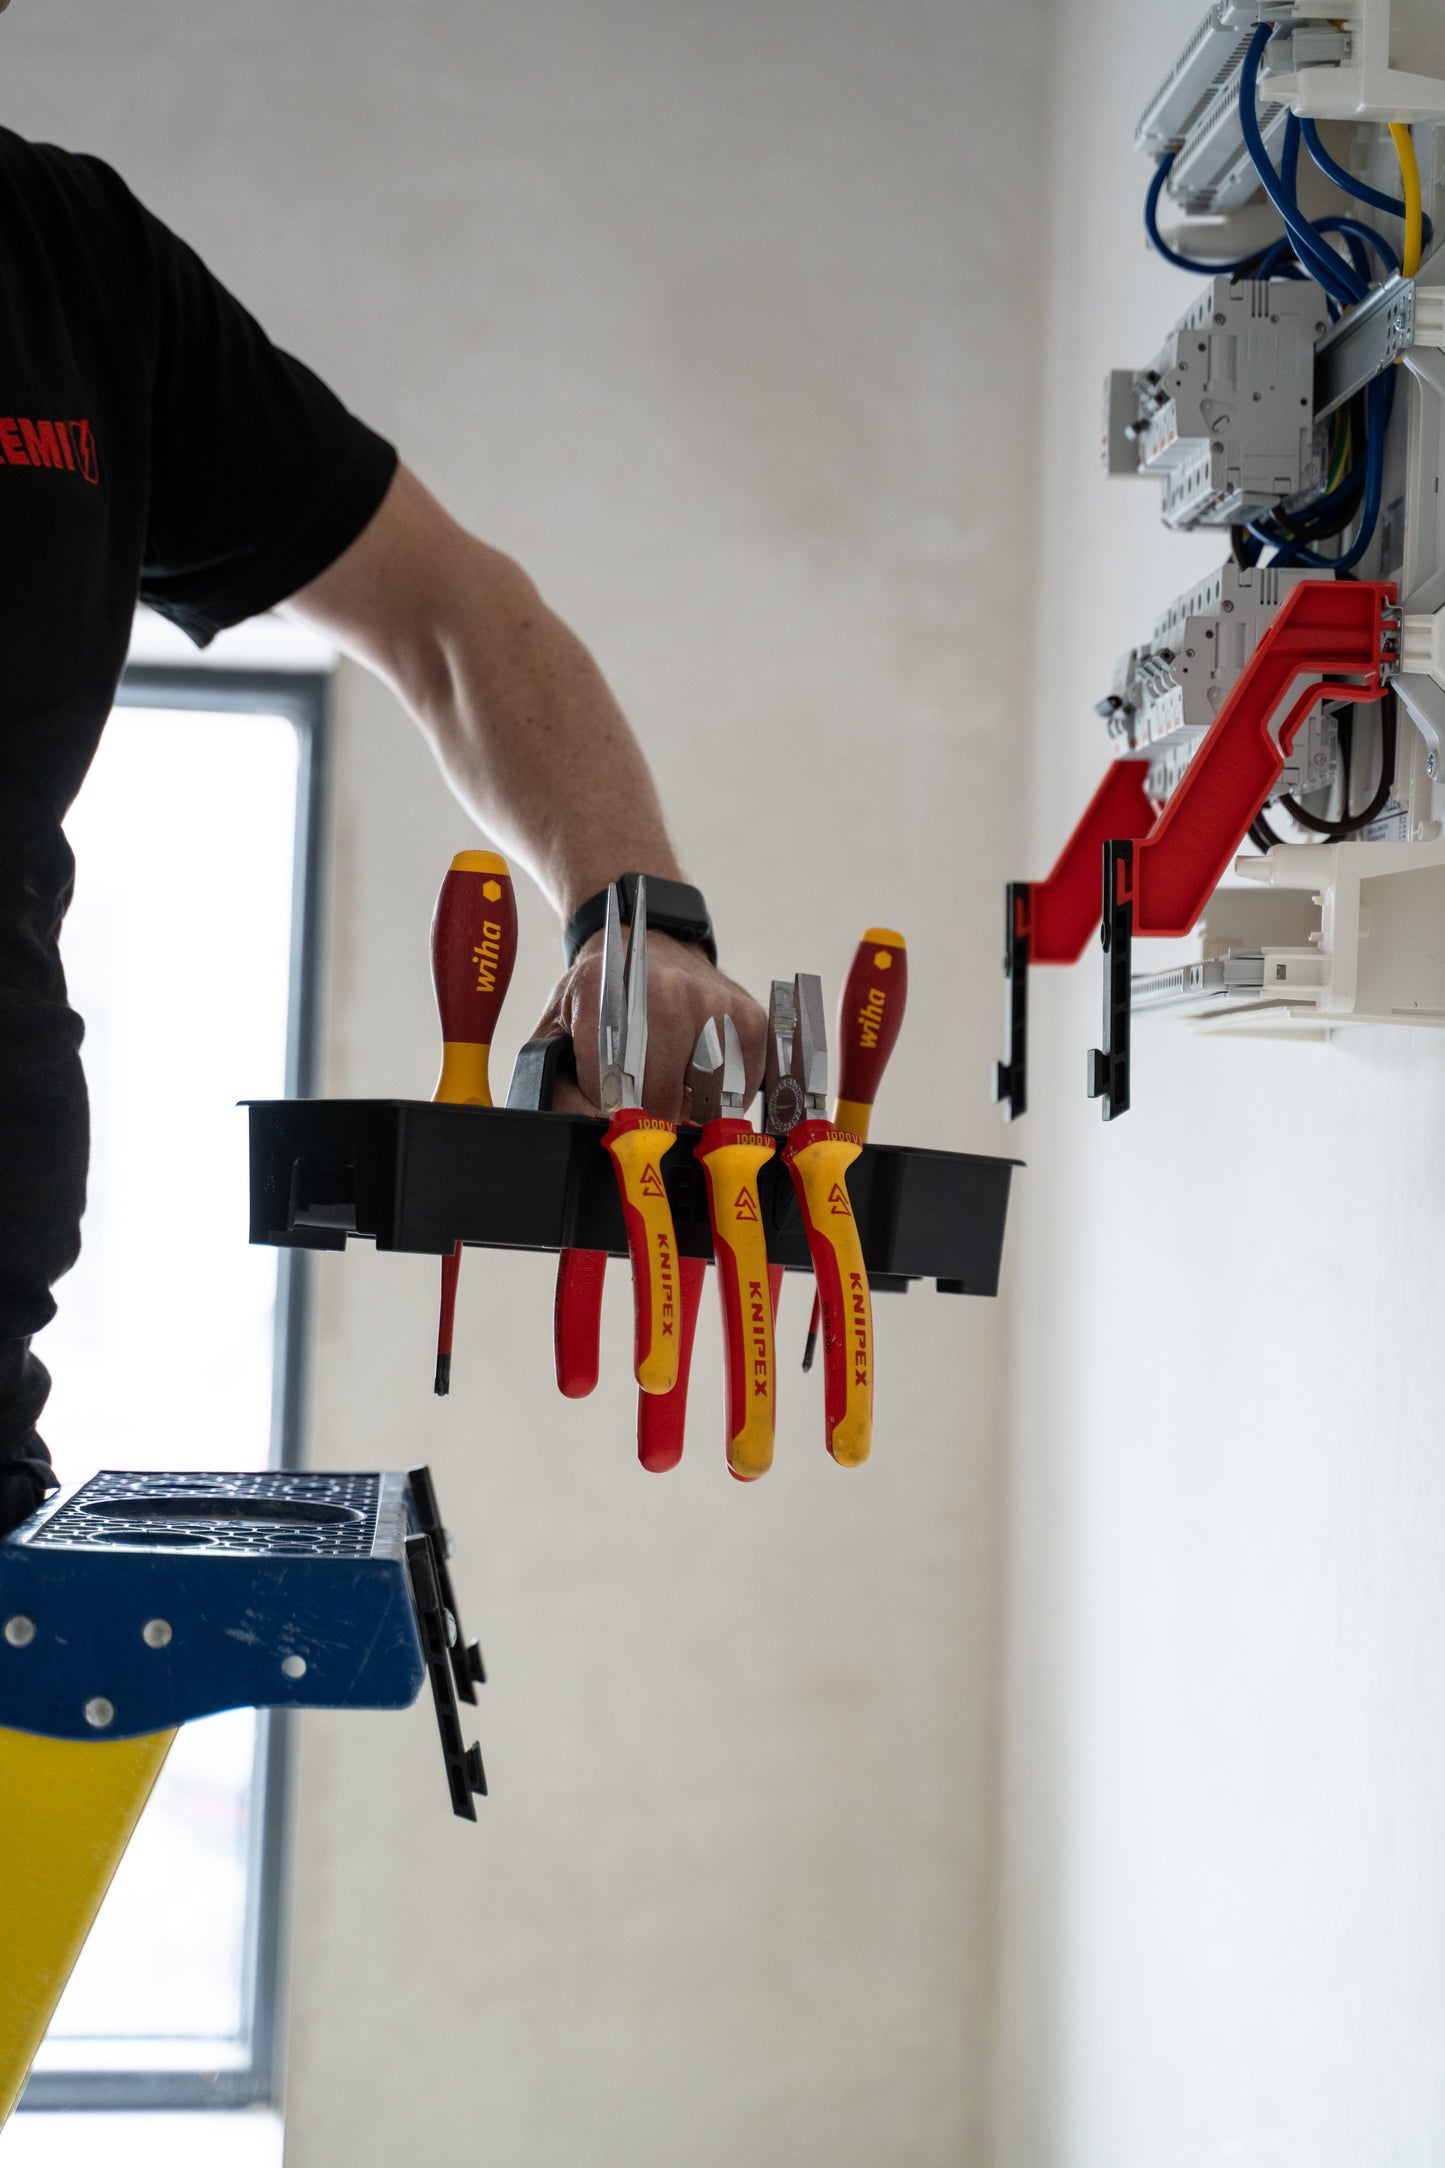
1275, 794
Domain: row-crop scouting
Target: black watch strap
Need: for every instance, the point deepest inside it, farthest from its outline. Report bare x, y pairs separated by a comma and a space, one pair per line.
672, 908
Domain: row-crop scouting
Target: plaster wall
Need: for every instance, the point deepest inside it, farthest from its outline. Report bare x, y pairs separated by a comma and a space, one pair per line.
715, 317
1225, 1903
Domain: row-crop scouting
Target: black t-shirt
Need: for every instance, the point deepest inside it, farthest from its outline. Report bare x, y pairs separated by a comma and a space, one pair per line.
153, 444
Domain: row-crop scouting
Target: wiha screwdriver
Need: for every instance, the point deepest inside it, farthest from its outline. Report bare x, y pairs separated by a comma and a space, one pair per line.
473, 952
870, 1017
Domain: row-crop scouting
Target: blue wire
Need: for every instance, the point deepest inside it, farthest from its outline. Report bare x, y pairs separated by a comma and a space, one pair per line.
1278, 262
1315, 255
1360, 190
1354, 248
1289, 158
1220, 267
1355, 232
1380, 397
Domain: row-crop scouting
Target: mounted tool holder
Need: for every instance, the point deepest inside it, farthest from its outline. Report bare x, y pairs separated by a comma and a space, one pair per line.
414, 1175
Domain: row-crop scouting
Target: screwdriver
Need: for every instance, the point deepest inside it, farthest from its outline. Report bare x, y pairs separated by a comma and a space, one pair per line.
473, 951
870, 1017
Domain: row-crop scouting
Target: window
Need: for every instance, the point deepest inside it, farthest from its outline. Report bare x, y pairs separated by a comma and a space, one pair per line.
188, 952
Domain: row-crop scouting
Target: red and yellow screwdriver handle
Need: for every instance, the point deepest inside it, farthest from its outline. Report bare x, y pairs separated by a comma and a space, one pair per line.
732, 1156
818, 1155
639, 1142
473, 949
870, 1017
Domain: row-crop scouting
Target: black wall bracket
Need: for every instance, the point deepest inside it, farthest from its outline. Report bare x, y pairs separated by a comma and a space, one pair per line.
1011, 1075
1108, 1078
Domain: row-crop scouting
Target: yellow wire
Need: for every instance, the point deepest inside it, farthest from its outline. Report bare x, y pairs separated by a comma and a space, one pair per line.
1410, 184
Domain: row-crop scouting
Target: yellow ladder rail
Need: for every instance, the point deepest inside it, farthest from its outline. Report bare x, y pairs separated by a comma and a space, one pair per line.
68, 1809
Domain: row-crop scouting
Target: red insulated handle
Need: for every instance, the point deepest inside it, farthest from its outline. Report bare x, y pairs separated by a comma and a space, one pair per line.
577, 1320
870, 1014
473, 951
662, 1417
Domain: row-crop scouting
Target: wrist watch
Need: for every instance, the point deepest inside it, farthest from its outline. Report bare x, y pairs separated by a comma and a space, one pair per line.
672, 908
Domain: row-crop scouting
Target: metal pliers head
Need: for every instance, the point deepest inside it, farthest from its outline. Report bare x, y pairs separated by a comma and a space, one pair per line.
622, 1012
795, 1081
716, 1075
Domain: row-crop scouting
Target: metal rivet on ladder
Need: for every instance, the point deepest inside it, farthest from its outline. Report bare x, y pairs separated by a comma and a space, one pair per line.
156, 1632
19, 1631
293, 1667
99, 1712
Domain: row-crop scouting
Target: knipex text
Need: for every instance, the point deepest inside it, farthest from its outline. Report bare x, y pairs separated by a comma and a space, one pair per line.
858, 1296
758, 1333
665, 1274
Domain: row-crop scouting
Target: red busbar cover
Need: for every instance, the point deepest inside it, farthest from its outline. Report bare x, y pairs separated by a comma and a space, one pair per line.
1322, 628
1064, 909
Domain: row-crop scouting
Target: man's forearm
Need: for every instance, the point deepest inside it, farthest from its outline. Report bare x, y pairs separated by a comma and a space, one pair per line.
533, 743
518, 714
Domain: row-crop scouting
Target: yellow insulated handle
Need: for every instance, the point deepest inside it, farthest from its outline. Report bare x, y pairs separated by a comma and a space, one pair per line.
68, 1809
464, 1081
732, 1155
818, 1157
639, 1143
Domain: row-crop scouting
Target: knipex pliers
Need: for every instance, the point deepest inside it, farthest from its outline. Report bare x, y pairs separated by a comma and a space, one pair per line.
732, 1155
638, 1143
817, 1156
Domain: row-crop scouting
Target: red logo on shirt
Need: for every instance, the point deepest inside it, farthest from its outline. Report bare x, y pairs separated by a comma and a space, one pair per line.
49, 444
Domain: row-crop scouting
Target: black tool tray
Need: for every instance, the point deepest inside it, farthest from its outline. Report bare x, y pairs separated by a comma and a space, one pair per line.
415, 1175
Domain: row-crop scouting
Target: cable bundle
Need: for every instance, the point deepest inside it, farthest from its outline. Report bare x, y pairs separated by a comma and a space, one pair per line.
1356, 470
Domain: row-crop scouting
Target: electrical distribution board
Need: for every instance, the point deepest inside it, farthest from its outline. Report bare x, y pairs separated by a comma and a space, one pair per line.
1275, 796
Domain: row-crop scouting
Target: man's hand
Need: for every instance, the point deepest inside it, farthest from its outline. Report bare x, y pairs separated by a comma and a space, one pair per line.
683, 991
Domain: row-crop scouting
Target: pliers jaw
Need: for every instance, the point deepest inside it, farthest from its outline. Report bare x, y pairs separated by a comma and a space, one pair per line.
795, 1083
716, 1075
622, 1013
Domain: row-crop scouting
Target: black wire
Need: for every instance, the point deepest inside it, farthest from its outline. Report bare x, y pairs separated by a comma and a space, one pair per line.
1261, 835
1354, 822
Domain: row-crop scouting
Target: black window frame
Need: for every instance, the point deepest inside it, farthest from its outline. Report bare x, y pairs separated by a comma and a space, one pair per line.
304, 698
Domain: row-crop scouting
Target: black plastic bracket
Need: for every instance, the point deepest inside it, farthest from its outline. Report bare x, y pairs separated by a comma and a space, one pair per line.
465, 1775
1108, 1078
421, 1176
535, 1072
468, 1670
1011, 1075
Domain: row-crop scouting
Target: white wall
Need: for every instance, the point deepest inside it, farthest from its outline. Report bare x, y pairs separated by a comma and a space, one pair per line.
719, 318
1226, 1786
